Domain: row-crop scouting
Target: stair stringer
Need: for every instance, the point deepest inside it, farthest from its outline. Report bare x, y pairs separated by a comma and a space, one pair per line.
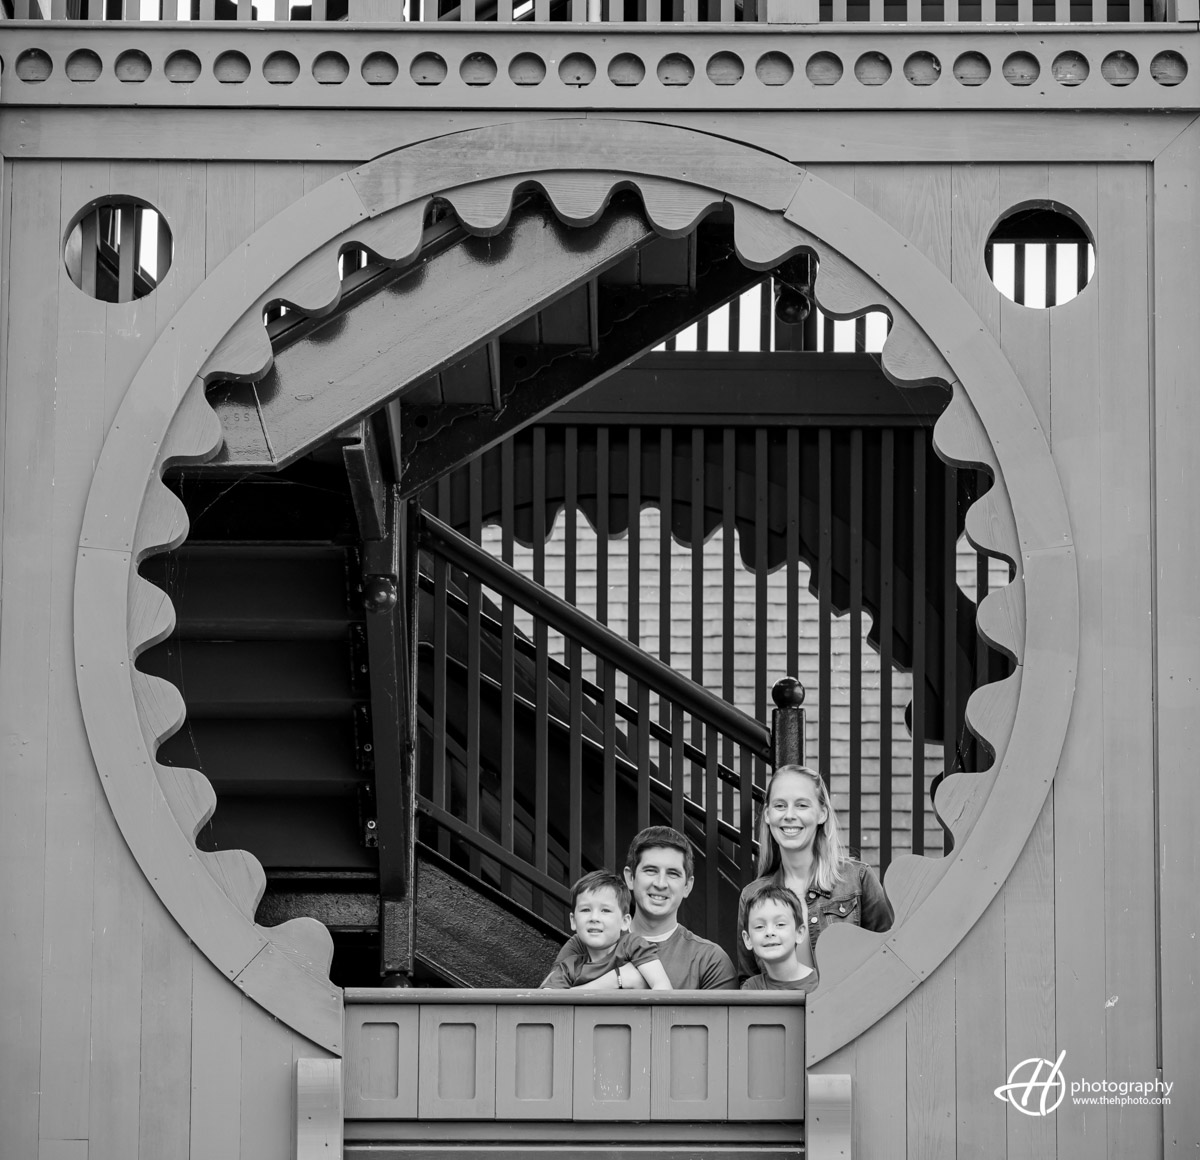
775, 206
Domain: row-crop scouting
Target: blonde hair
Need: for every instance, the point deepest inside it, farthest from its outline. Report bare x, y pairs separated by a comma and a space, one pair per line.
829, 855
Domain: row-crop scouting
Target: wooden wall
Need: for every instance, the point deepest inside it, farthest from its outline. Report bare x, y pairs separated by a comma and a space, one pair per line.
119, 1041
1066, 955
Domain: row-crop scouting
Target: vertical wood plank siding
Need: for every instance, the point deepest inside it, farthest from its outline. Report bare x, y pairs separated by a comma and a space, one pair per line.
26, 569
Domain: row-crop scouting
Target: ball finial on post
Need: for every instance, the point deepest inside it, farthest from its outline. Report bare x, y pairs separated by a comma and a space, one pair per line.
787, 722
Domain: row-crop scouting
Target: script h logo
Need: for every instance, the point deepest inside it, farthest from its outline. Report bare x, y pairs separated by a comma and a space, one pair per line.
1027, 1076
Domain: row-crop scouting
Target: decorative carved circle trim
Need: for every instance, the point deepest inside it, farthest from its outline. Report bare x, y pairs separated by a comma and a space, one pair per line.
681, 175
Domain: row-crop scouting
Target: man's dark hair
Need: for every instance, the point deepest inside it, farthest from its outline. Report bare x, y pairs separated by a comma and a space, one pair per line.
654, 837
603, 880
772, 893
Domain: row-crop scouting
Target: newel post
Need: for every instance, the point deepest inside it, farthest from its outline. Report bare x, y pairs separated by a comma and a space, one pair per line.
787, 723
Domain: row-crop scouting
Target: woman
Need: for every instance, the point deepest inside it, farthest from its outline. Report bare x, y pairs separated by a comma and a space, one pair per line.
799, 848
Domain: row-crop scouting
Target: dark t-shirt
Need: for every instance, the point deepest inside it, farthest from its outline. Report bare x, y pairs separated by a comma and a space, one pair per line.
692, 963
764, 982
576, 970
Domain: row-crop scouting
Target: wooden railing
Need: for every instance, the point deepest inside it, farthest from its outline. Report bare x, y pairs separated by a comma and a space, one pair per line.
939, 12
653, 1068
613, 736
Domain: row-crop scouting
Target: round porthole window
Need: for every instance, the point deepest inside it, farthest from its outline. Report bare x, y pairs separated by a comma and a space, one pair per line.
1040, 254
118, 249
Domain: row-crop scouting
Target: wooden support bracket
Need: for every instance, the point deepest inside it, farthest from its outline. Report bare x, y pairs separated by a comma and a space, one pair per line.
829, 1116
319, 1109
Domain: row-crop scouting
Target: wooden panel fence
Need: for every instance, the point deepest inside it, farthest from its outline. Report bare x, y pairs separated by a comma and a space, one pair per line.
518, 1055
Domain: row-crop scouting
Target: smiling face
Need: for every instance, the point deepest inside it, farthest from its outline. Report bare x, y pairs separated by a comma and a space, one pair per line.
660, 883
598, 919
771, 931
794, 811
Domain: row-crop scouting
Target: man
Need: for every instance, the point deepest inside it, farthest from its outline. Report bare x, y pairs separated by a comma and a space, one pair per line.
659, 871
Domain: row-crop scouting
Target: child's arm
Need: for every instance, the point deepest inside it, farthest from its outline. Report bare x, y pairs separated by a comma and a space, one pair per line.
654, 974
557, 980
631, 980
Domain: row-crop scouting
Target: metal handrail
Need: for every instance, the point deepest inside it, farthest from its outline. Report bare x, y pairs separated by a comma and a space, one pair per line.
565, 618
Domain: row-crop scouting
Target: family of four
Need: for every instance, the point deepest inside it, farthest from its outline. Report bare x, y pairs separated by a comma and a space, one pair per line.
807, 880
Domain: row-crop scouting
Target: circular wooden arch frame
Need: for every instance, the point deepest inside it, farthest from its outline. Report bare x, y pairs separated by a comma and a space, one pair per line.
681, 175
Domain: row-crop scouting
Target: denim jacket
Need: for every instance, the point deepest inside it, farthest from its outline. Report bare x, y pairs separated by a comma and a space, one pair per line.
858, 899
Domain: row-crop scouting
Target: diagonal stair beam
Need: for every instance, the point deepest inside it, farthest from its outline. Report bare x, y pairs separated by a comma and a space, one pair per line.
424, 321
435, 439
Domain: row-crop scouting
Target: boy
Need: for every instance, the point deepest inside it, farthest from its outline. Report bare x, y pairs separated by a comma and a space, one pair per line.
600, 918
774, 918
659, 871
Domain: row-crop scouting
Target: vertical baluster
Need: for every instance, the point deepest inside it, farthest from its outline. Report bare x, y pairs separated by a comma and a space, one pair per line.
728, 593
635, 534
766, 314
950, 14
575, 766
887, 533
950, 630
856, 633
574, 659
127, 253
607, 676
677, 761
918, 644
245, 10
828, 334
860, 323
1051, 274
541, 715
504, 11
1062, 11
988, 11
1081, 266
320, 9
441, 786
633, 570
474, 656
643, 755
696, 504
746, 857
762, 531
876, 11
89, 230
603, 522
792, 548
609, 684
702, 333
666, 503
735, 306
1019, 273
541, 11
508, 703
712, 850
825, 604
